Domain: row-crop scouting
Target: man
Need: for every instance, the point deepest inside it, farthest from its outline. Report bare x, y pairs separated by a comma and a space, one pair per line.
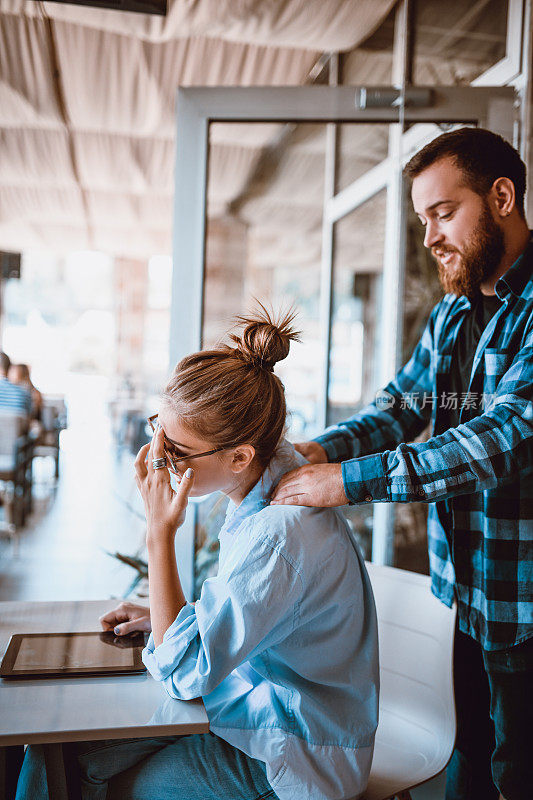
476, 470
13, 399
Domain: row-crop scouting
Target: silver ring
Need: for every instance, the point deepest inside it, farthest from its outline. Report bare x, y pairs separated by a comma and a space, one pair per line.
159, 463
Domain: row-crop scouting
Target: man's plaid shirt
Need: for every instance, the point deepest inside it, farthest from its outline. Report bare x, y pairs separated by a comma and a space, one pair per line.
477, 477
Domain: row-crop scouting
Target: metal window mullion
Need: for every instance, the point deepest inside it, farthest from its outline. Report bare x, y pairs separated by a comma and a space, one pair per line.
525, 120
358, 192
327, 255
390, 317
506, 70
188, 276
390, 321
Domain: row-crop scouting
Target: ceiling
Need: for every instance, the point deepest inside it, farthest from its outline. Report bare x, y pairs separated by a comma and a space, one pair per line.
87, 112
87, 122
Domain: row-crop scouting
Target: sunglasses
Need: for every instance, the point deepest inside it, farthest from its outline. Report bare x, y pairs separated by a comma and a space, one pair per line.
172, 452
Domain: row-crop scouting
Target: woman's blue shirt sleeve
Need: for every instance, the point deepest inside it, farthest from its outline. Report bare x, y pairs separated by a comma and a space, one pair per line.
249, 606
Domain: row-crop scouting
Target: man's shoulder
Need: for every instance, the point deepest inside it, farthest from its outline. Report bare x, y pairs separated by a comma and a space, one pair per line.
449, 303
445, 314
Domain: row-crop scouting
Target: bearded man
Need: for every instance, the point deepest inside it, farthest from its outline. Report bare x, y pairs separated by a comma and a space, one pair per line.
476, 470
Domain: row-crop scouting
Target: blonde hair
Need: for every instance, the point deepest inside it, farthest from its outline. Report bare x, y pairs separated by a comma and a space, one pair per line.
230, 395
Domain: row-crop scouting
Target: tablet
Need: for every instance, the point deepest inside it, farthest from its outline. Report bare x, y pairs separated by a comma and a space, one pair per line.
52, 655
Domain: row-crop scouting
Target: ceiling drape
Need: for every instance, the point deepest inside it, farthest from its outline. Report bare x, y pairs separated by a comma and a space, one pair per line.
87, 102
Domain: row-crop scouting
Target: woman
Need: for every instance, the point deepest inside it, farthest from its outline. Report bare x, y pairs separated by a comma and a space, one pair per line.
282, 643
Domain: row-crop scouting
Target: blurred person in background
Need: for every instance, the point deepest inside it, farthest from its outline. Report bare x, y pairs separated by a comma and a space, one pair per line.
14, 399
19, 374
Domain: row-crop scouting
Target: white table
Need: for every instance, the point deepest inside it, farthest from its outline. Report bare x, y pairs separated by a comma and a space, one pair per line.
52, 711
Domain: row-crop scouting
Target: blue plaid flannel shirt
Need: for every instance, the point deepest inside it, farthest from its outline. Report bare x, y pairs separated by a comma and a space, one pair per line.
477, 477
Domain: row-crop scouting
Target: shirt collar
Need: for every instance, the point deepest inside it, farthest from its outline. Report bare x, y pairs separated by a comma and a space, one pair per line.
519, 273
284, 459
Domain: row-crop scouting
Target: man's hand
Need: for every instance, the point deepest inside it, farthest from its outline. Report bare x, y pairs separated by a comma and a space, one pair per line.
127, 617
314, 485
313, 452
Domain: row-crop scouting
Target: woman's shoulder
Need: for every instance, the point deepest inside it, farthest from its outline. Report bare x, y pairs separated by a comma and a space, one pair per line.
299, 533
286, 517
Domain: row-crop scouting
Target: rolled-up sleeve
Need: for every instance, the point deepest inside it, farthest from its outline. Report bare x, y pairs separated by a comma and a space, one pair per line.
247, 607
176, 639
396, 415
476, 456
364, 479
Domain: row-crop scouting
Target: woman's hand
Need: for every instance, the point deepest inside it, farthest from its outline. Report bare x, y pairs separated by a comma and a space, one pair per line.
125, 618
164, 508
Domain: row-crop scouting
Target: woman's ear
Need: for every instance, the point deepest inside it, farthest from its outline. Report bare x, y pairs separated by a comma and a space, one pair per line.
243, 456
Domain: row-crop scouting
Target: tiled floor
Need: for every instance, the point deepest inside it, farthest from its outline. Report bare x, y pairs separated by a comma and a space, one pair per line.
61, 553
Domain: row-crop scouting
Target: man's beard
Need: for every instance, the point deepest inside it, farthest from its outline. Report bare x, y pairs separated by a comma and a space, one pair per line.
478, 261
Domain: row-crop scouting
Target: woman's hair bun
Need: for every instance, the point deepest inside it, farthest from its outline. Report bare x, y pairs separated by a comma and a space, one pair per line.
265, 339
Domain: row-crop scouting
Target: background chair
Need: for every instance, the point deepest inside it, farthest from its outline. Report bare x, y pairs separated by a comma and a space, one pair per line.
416, 731
53, 421
16, 452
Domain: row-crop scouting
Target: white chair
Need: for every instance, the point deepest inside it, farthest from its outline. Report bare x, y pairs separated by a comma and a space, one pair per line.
416, 731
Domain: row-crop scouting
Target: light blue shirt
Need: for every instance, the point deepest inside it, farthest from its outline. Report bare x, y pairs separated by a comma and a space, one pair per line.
282, 644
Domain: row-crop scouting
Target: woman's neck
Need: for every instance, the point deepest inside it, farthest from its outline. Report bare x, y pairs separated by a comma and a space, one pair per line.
246, 482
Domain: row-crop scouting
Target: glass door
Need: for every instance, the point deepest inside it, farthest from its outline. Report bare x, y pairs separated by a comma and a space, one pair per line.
295, 196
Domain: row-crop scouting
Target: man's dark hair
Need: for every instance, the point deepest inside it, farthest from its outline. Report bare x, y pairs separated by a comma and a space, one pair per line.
5, 362
481, 155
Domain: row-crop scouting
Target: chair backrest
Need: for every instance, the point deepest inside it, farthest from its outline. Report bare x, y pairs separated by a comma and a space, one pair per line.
53, 412
416, 634
11, 427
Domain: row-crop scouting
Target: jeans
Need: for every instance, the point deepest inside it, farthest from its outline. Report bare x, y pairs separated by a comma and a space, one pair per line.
494, 744
197, 767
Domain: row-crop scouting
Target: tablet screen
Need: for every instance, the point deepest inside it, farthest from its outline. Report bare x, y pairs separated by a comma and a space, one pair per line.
49, 654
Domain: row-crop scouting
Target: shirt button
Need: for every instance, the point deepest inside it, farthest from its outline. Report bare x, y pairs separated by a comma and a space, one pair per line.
368, 498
